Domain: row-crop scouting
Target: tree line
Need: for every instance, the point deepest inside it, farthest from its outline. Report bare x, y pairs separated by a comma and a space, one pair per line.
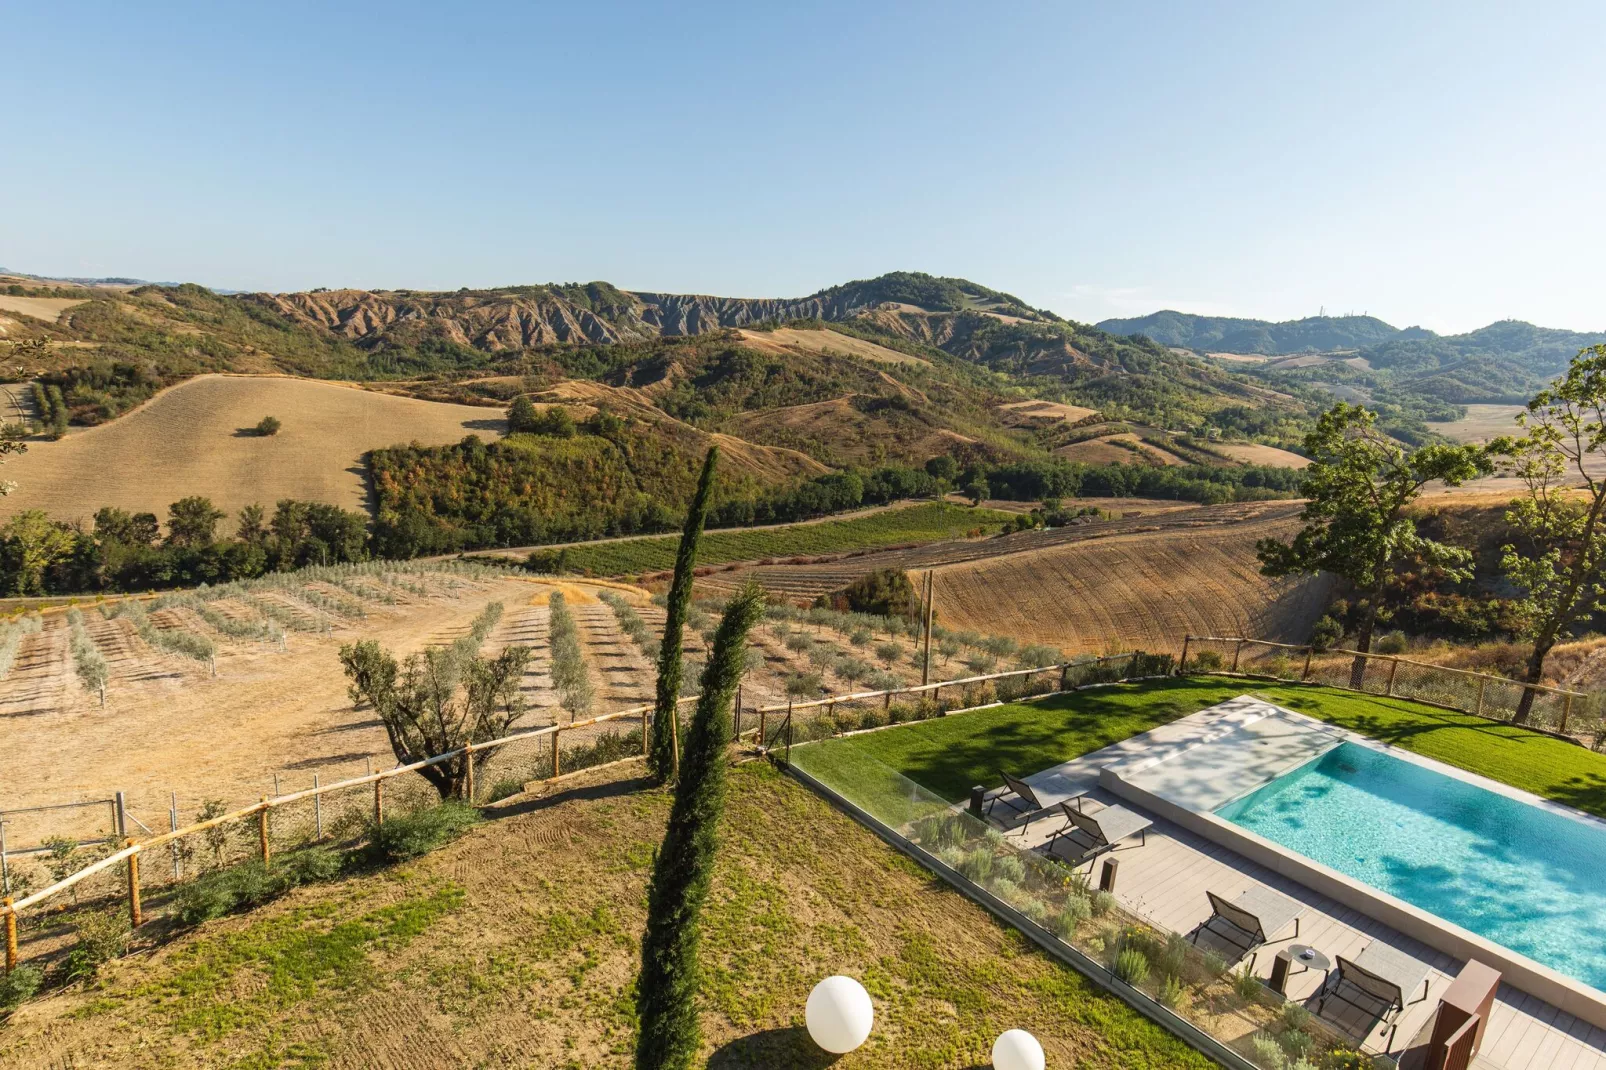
129, 551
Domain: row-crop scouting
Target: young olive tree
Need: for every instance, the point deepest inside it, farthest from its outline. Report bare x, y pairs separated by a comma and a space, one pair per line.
1358, 485
663, 756
438, 700
1560, 557
666, 995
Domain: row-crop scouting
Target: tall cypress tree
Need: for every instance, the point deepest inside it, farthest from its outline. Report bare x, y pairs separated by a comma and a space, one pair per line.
663, 758
666, 997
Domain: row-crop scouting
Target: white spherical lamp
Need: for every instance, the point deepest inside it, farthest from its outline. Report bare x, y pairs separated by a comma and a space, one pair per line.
1016, 1049
839, 1014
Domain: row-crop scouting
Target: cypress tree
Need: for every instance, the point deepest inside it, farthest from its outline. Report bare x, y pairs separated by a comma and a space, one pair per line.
663, 757
666, 996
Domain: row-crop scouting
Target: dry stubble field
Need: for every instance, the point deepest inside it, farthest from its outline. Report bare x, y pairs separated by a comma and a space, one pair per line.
195, 439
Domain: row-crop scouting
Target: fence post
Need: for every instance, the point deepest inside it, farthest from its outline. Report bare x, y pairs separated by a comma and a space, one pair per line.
1182, 666
172, 825
5, 867
262, 831
120, 816
468, 772
646, 730
1566, 711
1394, 667
379, 802
317, 809
135, 916
788, 738
1306, 674
11, 935
736, 728
830, 713
1482, 683
556, 767
1237, 650
886, 702
1065, 669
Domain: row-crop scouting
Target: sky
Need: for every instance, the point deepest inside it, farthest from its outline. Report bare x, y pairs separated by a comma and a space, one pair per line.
1440, 164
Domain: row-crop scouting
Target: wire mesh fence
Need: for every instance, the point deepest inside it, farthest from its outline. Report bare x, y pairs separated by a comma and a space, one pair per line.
1556, 710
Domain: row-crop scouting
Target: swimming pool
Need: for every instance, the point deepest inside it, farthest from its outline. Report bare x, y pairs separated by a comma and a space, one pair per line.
1522, 876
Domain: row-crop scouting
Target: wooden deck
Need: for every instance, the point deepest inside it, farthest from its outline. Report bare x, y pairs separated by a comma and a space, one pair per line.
1165, 881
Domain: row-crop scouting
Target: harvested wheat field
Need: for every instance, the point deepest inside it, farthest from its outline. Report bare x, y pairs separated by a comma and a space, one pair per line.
1255, 453
195, 439
1124, 448
1142, 589
778, 341
1036, 410
1482, 422
48, 309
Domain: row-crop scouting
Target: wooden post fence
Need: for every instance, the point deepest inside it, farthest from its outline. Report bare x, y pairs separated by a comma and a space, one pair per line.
1182, 666
317, 809
557, 767
1394, 667
135, 916
1482, 683
1308, 652
1237, 650
1566, 712
11, 936
379, 802
468, 772
646, 732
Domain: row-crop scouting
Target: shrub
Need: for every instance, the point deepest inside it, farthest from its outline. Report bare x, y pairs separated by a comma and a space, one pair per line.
418, 833
1390, 643
1175, 955
1214, 965
1326, 632
1132, 966
1245, 985
1267, 1052
1103, 903
889, 653
885, 593
978, 864
102, 936
1170, 991
268, 426
1207, 661
1295, 1016
1076, 910
18, 986
252, 883
1297, 1043
860, 637
1010, 868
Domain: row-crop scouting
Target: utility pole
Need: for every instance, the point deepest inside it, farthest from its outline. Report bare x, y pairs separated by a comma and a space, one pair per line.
925, 661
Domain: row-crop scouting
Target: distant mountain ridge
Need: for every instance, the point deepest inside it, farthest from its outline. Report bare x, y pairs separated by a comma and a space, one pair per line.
1313, 334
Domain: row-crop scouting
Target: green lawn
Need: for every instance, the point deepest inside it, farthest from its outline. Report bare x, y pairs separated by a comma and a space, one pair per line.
929, 522
950, 754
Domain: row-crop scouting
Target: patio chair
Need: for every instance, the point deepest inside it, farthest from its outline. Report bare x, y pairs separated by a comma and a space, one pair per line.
1085, 836
1250, 920
1378, 982
1015, 794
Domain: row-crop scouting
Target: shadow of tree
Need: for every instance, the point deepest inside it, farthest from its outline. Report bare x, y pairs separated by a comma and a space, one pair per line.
773, 1049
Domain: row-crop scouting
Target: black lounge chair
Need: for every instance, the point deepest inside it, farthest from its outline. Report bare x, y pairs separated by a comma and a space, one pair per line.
1250, 920
1085, 836
1015, 794
1378, 982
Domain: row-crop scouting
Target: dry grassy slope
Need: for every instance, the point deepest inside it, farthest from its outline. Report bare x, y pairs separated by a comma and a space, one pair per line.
190, 440
1142, 589
522, 943
783, 339
851, 436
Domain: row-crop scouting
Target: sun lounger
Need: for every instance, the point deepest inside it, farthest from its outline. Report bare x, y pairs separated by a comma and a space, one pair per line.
1379, 981
1015, 794
1085, 836
1252, 919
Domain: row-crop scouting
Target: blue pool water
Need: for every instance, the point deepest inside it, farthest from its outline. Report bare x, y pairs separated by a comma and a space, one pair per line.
1526, 878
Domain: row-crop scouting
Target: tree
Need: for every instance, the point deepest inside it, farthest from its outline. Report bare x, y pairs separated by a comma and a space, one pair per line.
663, 756
666, 992
33, 543
268, 426
1358, 484
251, 527
192, 522
436, 701
8, 447
521, 416
977, 490
1561, 556
942, 467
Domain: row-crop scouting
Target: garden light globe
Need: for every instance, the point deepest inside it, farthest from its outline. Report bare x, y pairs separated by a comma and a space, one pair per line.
839, 1014
1016, 1049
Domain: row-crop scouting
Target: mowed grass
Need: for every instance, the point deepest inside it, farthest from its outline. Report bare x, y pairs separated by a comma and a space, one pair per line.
930, 522
518, 946
950, 754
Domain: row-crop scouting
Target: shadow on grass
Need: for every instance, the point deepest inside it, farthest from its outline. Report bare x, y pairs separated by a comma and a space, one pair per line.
580, 793
780, 1049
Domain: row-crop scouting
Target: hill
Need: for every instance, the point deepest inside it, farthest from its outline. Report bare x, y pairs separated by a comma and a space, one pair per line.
196, 438
518, 945
1505, 362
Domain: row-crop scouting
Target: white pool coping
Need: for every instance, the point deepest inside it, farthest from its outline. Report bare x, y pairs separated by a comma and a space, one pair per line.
1189, 768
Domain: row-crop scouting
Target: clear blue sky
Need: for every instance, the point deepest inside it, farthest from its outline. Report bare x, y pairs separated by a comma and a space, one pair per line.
1441, 163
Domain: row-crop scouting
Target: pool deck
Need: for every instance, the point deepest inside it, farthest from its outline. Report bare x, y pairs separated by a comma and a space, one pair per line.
1165, 879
